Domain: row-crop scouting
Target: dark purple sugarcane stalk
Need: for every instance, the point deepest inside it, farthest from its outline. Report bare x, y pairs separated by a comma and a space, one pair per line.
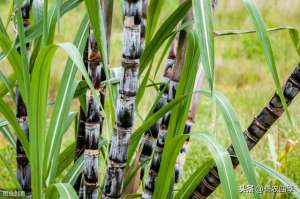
23, 170
254, 133
93, 120
151, 134
118, 154
172, 73
189, 125
80, 138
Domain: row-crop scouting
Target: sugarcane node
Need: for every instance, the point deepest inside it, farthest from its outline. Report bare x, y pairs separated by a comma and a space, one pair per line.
260, 125
134, 9
214, 172
168, 71
90, 184
290, 91
130, 63
250, 137
198, 195
208, 182
22, 159
232, 154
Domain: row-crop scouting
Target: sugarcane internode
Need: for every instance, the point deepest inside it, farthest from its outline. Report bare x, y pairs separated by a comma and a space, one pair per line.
257, 129
113, 186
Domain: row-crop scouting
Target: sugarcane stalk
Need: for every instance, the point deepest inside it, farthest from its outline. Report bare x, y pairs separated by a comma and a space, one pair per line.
151, 134
23, 170
90, 57
134, 184
180, 161
113, 185
93, 121
172, 71
254, 133
80, 137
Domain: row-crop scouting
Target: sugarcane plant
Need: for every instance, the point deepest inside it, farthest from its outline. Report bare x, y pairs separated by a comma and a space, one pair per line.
123, 148
23, 167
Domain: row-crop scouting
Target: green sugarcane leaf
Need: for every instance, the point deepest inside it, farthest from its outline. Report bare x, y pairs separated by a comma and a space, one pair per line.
21, 74
281, 178
35, 31
66, 158
135, 144
8, 134
222, 33
192, 182
185, 87
23, 48
153, 118
223, 162
9, 85
10, 171
179, 115
204, 26
65, 190
267, 49
236, 135
63, 101
153, 14
143, 85
165, 30
70, 119
75, 171
37, 110
40, 81
3, 88
2, 28
11, 118
166, 170
294, 34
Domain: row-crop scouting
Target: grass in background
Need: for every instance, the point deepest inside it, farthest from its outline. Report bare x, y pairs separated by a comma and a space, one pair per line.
241, 74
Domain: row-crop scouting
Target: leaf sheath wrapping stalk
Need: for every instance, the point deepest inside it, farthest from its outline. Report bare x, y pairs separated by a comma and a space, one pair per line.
257, 129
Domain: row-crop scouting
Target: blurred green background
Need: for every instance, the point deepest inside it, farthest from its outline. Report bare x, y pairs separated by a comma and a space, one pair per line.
241, 74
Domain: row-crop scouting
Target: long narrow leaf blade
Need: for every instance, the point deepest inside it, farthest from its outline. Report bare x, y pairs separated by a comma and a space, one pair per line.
267, 49
295, 190
224, 165
204, 26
